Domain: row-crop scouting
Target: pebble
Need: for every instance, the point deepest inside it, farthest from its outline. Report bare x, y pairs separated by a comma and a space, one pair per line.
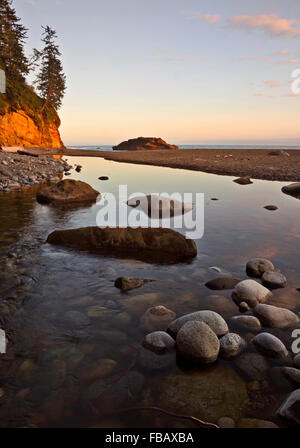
258, 266
197, 342
274, 280
159, 342
273, 317
18, 170
251, 292
269, 345
214, 320
231, 345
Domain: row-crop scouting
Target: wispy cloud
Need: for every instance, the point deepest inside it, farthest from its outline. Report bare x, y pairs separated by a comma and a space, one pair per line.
209, 18
269, 23
290, 61
282, 52
272, 84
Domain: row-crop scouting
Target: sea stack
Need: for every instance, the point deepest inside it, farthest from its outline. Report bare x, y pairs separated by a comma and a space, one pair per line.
143, 143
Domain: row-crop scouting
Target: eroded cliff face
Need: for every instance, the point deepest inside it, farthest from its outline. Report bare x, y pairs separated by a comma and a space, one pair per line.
18, 129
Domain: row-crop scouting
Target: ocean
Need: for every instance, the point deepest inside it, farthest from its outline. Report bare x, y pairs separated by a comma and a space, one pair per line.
109, 147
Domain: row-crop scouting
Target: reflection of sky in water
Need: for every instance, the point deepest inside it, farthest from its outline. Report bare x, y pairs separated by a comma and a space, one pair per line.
46, 281
237, 226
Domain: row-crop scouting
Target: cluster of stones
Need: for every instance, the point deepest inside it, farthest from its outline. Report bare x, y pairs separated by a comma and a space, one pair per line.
204, 336
18, 170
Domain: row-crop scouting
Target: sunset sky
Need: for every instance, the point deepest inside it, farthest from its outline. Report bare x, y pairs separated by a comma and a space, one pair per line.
189, 71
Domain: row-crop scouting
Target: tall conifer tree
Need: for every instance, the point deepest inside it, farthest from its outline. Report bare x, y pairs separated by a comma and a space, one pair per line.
51, 80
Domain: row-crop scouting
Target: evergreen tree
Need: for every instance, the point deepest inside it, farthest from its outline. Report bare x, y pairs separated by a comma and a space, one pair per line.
12, 37
51, 80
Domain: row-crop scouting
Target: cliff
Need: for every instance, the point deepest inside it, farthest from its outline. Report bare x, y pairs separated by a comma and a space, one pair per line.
22, 124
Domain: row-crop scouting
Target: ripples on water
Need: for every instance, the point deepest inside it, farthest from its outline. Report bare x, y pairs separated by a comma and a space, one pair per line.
72, 333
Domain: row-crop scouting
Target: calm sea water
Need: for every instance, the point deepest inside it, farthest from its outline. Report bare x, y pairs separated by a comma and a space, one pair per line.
73, 337
279, 147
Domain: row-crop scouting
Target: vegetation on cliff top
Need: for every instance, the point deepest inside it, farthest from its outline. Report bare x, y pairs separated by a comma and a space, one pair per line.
50, 79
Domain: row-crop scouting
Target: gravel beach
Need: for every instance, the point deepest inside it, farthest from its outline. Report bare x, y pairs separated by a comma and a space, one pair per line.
18, 170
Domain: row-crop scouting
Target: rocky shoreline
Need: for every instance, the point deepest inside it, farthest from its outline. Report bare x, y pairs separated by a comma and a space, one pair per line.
263, 164
18, 170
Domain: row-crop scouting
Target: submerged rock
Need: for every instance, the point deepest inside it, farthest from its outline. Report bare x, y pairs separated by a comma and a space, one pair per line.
250, 323
159, 342
212, 319
290, 407
251, 292
143, 143
292, 374
137, 305
292, 190
151, 361
258, 266
196, 342
226, 422
129, 283
273, 317
222, 283
67, 191
148, 244
274, 280
113, 394
208, 395
285, 298
252, 365
157, 318
269, 345
255, 423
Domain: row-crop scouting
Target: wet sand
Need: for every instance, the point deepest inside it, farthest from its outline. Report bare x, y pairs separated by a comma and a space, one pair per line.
254, 163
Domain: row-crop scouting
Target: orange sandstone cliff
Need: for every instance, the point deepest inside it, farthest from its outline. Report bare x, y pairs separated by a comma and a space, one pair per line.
21, 120
19, 129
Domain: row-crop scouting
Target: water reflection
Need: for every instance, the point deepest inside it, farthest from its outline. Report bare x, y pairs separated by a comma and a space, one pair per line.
72, 333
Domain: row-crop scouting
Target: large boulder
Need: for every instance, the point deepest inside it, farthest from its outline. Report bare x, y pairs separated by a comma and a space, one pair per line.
147, 244
290, 409
143, 143
273, 317
292, 190
67, 191
258, 266
210, 318
269, 345
196, 342
251, 292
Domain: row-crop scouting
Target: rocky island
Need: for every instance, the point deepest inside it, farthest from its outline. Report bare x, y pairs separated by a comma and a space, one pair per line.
144, 143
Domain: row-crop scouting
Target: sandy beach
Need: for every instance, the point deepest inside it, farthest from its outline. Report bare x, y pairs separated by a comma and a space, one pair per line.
254, 163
